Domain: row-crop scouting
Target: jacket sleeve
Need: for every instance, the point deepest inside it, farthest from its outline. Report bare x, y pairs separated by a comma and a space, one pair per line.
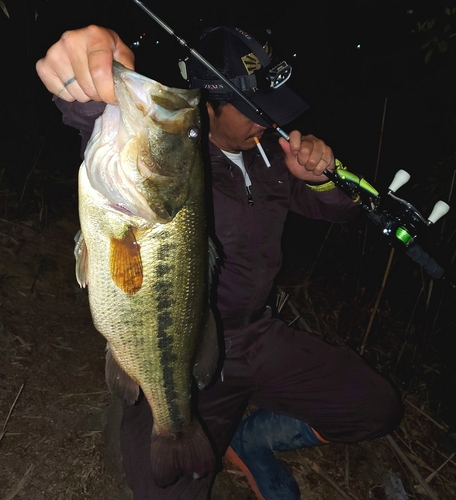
80, 115
333, 205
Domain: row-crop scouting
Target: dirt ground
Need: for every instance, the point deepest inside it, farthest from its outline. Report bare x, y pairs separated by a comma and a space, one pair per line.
53, 404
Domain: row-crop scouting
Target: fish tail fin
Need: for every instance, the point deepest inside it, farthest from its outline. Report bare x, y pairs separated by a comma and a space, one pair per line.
190, 455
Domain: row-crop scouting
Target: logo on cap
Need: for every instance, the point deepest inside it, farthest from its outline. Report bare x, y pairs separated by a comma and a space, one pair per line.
251, 63
214, 86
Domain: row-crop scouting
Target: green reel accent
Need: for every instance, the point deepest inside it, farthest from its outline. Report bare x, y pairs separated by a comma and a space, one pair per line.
404, 236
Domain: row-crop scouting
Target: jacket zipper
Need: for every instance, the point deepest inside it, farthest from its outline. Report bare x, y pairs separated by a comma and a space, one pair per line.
249, 194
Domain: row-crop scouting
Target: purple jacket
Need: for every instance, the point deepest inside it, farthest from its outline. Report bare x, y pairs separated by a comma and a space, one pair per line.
248, 237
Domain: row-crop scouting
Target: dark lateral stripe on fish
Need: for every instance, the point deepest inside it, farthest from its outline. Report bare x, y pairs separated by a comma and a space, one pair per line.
167, 361
163, 288
164, 302
162, 270
165, 248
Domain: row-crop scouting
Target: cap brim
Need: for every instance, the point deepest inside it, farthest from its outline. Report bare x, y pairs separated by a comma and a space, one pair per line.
281, 105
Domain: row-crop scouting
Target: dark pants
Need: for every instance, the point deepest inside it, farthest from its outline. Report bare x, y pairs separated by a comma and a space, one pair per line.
283, 370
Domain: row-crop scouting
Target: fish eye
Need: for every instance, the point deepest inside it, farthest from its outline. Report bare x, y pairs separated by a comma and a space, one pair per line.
193, 133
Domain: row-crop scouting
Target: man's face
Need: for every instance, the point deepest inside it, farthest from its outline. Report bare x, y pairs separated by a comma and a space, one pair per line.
232, 131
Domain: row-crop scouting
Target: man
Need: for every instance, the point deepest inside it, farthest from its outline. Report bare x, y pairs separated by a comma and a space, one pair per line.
307, 392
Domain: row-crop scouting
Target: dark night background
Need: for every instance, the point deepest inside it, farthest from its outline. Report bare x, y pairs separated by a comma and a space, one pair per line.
349, 88
359, 64
352, 90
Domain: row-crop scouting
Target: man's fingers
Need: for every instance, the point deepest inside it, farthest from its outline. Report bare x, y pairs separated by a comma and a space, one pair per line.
102, 47
79, 66
53, 80
100, 84
124, 54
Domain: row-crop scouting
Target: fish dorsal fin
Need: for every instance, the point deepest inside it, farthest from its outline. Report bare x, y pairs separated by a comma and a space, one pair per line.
125, 263
118, 381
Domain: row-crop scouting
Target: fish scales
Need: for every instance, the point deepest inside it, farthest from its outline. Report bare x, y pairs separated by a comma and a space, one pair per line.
143, 253
168, 280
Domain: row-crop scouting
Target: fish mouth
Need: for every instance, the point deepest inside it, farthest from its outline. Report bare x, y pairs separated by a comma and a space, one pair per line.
139, 87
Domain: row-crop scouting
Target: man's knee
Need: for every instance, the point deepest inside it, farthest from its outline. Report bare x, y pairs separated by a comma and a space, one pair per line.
384, 413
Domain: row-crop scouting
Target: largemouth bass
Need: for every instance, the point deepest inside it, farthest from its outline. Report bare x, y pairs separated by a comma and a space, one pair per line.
143, 254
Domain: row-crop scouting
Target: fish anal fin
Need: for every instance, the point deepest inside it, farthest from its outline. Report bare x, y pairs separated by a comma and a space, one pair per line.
208, 354
189, 454
118, 381
125, 263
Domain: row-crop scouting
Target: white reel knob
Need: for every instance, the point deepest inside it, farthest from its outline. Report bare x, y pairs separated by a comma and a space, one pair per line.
439, 210
401, 178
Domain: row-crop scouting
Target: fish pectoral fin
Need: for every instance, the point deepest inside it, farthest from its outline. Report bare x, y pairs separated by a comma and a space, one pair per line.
125, 263
208, 354
81, 256
118, 381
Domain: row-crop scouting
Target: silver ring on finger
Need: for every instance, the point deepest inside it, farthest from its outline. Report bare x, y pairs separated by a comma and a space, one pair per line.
65, 85
68, 82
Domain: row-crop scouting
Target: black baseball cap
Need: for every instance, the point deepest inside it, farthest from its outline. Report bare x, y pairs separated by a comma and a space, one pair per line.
251, 68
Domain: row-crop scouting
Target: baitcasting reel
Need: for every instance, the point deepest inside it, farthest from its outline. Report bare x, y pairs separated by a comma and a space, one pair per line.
400, 221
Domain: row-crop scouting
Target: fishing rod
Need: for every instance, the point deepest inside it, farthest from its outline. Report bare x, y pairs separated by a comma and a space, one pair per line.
216, 72
331, 175
400, 223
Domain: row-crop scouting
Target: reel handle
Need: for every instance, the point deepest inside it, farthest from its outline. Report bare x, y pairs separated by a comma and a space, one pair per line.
401, 178
439, 210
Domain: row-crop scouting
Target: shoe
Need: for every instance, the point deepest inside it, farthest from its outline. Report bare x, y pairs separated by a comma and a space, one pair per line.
252, 450
234, 459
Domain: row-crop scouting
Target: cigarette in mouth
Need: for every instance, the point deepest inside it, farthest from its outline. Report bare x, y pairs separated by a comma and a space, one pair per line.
261, 150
